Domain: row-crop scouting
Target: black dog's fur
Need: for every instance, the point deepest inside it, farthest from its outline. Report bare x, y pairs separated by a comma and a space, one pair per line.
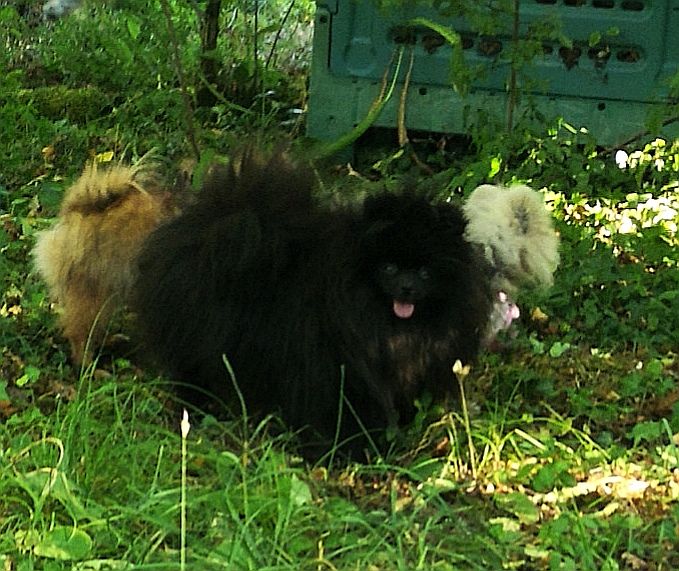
304, 300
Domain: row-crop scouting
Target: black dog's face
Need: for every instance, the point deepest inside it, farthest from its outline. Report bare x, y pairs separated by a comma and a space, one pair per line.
411, 284
413, 251
405, 287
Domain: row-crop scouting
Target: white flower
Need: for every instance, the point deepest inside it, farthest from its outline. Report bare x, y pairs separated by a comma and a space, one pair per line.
621, 158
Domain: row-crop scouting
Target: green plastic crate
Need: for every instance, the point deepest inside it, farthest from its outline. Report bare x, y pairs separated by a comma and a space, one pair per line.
608, 87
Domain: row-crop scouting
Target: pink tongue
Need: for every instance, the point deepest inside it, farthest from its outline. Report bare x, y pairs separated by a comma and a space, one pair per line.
403, 310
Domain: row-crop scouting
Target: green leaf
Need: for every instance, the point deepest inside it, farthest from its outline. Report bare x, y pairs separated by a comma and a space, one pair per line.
65, 544
594, 39
50, 195
495, 165
647, 431
300, 494
520, 506
654, 368
449, 34
102, 565
505, 529
133, 27
31, 375
551, 475
3, 391
558, 349
38, 482
537, 346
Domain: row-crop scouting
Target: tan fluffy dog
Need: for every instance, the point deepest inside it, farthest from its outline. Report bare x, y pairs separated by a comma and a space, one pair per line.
88, 257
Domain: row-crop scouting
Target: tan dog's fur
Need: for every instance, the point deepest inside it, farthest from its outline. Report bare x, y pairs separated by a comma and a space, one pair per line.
87, 257
517, 235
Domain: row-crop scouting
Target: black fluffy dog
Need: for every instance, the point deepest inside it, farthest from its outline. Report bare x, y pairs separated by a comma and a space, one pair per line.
310, 304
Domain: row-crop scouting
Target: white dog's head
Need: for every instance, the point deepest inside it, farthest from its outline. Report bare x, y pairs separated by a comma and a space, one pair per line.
55, 9
516, 233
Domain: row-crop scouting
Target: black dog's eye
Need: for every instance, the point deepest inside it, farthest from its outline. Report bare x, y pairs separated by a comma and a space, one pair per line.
424, 274
390, 269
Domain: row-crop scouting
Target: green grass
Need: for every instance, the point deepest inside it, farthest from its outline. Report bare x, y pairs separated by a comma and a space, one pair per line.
98, 478
568, 458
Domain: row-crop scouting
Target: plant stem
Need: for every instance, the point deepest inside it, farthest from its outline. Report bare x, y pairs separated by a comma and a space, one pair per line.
185, 427
512, 87
188, 111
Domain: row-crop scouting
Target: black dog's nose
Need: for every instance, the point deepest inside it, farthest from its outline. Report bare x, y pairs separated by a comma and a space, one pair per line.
406, 291
406, 285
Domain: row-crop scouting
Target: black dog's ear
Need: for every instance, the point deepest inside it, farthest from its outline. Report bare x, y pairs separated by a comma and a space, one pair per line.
387, 208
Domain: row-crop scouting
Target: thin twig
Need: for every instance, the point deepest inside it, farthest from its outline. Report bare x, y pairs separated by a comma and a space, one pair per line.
220, 97
513, 96
255, 78
188, 110
185, 427
329, 149
278, 33
640, 134
461, 373
401, 120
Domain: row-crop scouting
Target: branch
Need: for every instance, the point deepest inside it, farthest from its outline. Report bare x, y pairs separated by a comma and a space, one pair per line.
640, 134
188, 111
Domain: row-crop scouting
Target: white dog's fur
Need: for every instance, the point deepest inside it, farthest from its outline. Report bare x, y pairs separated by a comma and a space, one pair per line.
54, 9
516, 233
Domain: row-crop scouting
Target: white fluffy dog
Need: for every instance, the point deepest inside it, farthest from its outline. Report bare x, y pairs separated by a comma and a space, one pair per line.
517, 235
54, 9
